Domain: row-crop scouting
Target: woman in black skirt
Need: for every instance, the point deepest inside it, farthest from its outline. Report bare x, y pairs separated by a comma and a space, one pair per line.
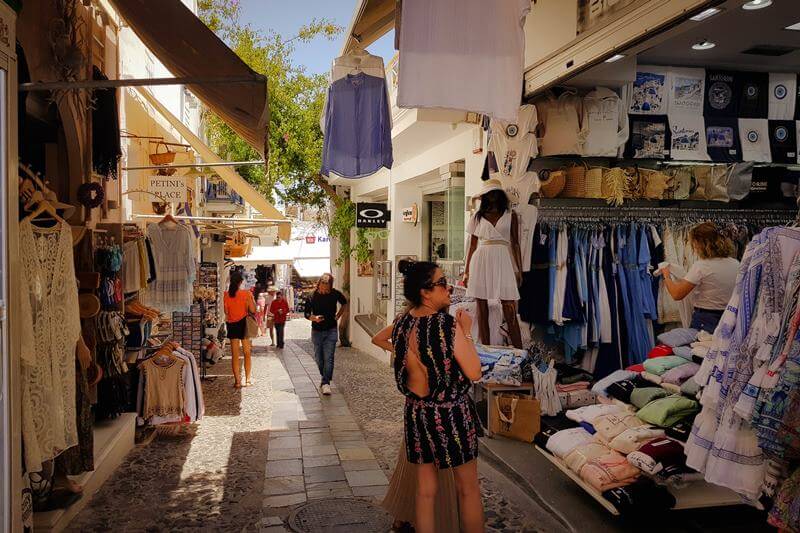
238, 304
435, 364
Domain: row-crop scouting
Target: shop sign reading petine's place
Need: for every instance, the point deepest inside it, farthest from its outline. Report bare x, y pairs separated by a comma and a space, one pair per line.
169, 188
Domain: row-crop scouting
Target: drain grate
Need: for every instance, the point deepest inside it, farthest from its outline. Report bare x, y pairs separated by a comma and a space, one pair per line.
343, 515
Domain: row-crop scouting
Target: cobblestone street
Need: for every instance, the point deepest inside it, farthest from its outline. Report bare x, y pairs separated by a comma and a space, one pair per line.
264, 449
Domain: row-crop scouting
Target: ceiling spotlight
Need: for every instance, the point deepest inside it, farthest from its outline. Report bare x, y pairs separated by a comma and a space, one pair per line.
614, 58
757, 4
708, 13
704, 45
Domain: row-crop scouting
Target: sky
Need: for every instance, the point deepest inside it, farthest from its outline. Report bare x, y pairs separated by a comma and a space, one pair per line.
286, 17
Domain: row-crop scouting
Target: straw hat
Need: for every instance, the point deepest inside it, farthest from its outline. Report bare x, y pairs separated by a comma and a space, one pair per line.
89, 304
488, 186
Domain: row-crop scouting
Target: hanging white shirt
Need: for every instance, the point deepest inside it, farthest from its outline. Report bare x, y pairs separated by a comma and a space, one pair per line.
688, 136
606, 122
514, 142
754, 136
782, 96
463, 54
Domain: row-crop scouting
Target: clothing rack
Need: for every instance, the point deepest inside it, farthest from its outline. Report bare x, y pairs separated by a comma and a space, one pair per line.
658, 214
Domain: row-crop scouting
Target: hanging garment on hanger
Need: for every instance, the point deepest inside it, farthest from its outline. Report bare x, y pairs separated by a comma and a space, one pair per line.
173, 253
648, 94
722, 139
754, 137
352, 63
514, 144
561, 119
720, 100
782, 91
783, 141
51, 327
686, 90
463, 54
606, 121
358, 135
754, 95
687, 137
649, 138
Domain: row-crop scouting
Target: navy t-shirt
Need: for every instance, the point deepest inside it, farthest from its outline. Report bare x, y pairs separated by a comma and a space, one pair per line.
325, 305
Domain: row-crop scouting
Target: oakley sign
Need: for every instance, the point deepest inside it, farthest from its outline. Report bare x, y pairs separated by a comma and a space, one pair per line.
372, 215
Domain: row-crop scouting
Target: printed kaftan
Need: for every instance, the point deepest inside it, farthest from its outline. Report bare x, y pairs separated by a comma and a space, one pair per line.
51, 328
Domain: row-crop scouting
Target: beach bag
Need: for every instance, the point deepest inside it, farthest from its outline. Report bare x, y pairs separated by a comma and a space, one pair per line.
552, 183
516, 417
594, 183
614, 186
250, 326
575, 186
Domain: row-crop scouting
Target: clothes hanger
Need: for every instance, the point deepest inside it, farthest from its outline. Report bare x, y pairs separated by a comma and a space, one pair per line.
44, 207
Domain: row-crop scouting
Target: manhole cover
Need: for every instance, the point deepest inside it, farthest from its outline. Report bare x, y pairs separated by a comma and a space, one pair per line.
340, 514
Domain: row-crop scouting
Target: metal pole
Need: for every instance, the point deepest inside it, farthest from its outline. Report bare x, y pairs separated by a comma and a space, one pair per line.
219, 219
198, 165
137, 82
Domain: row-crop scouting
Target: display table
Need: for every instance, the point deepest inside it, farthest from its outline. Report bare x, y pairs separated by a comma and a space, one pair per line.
490, 390
695, 495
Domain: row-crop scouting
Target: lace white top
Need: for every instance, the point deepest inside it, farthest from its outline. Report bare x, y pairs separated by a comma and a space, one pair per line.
50, 315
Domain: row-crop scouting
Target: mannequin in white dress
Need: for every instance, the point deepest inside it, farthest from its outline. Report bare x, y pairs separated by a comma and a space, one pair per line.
494, 260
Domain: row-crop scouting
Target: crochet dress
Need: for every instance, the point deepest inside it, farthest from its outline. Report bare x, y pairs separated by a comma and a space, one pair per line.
443, 427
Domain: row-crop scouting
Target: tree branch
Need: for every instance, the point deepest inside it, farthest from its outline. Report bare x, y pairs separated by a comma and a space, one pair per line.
328, 188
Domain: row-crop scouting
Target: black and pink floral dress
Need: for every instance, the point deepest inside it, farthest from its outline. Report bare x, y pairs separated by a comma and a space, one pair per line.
442, 428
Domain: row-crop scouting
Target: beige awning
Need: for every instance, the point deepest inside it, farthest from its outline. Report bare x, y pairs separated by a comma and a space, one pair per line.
228, 174
188, 48
372, 20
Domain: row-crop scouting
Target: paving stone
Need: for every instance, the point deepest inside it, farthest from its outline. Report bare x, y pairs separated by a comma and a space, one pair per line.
284, 485
283, 443
328, 485
336, 493
324, 474
356, 454
311, 431
286, 467
322, 460
317, 439
305, 424
365, 478
288, 453
350, 444
341, 436
354, 466
285, 500
273, 529
316, 451
271, 521
374, 491
284, 433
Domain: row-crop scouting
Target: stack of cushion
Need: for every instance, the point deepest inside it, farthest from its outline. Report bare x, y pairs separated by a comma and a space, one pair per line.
644, 395
678, 337
660, 365
610, 425
643, 497
566, 440
584, 453
632, 439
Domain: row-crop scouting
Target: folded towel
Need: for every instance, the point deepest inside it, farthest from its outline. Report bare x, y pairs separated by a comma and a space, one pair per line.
578, 385
632, 439
590, 412
666, 412
618, 375
609, 471
567, 440
657, 454
683, 351
609, 426
585, 453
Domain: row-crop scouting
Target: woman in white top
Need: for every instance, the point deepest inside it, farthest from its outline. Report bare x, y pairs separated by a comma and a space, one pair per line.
710, 280
494, 260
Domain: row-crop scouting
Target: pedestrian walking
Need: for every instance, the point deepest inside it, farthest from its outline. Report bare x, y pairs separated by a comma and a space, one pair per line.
321, 311
270, 319
279, 309
261, 313
435, 364
238, 304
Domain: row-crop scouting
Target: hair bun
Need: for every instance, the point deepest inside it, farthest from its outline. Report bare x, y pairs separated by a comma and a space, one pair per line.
404, 266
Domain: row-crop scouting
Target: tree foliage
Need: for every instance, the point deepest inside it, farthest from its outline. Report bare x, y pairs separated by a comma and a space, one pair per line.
295, 100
